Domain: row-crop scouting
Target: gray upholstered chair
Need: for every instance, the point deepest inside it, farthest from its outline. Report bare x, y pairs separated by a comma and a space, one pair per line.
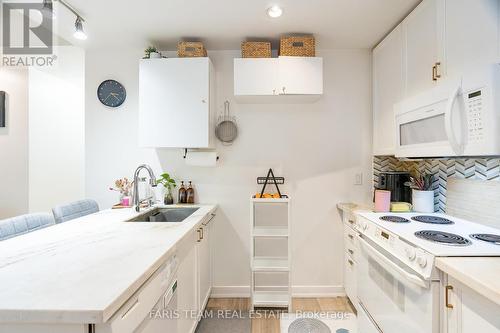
74, 210
23, 224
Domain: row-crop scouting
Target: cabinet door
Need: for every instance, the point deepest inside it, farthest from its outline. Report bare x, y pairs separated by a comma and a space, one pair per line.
174, 98
256, 77
387, 90
471, 312
422, 34
187, 284
473, 43
204, 267
300, 75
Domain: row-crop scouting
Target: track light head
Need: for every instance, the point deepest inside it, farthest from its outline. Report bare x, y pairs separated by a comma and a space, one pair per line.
79, 33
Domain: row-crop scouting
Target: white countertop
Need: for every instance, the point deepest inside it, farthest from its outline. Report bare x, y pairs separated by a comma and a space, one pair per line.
83, 270
481, 274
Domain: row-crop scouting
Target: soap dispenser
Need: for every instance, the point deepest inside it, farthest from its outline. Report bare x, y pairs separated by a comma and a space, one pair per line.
190, 194
182, 193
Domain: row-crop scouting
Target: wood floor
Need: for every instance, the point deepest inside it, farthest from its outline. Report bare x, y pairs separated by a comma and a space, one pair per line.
271, 323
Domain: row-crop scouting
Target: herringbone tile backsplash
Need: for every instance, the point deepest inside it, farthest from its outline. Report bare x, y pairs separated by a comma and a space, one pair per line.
442, 169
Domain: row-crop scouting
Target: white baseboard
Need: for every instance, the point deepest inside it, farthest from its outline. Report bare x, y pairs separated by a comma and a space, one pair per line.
297, 291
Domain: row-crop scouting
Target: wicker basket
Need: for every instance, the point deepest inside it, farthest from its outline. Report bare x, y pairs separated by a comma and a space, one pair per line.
256, 49
297, 46
191, 49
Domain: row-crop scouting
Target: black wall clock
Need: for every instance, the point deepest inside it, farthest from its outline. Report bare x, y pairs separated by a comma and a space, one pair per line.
111, 93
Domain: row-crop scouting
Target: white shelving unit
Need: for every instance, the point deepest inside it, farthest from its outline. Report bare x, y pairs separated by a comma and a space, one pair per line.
270, 253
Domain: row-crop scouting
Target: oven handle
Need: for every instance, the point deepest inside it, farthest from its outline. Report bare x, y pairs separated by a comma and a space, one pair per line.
455, 145
390, 265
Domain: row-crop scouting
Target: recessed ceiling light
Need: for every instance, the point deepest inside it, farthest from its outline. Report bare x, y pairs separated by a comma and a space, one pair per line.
274, 11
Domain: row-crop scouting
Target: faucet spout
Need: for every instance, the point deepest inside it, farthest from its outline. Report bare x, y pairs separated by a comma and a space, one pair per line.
152, 182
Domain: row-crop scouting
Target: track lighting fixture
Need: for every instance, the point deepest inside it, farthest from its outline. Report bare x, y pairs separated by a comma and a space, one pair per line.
79, 33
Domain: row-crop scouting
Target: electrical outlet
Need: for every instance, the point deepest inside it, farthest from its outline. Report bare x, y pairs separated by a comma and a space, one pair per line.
358, 179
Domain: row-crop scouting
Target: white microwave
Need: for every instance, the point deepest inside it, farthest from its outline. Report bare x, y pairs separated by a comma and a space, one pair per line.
460, 117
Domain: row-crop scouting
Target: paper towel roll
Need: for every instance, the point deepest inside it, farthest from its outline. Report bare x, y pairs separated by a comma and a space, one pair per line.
202, 158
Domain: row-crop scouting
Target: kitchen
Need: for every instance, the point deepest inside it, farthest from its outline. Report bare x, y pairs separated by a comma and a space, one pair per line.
329, 137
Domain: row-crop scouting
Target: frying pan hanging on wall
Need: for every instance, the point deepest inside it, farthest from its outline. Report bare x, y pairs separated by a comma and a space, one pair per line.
2, 109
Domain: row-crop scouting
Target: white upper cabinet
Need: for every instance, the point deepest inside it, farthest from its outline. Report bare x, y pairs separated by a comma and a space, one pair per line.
300, 75
422, 36
471, 30
388, 82
278, 76
175, 103
256, 76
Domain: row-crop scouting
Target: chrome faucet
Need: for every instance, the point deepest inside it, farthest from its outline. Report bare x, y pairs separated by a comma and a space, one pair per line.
152, 182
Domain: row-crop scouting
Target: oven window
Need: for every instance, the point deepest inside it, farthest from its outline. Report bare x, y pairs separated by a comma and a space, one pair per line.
426, 130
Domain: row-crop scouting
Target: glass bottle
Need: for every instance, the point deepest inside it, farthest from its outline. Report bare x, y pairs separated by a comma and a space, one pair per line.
182, 193
190, 194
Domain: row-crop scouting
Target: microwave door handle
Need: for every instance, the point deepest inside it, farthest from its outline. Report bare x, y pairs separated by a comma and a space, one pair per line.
390, 265
448, 122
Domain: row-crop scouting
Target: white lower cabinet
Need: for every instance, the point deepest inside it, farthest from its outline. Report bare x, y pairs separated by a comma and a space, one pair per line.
351, 254
466, 311
204, 264
187, 300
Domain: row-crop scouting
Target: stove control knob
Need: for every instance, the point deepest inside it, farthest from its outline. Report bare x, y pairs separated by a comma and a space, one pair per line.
422, 261
410, 253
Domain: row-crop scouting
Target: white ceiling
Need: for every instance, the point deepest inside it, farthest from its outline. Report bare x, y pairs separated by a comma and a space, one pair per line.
223, 24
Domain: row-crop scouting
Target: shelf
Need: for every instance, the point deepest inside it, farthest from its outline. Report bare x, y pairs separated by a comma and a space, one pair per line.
264, 200
270, 232
270, 265
270, 299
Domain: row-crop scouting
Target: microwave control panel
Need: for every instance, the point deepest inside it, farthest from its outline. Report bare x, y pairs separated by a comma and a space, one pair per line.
474, 104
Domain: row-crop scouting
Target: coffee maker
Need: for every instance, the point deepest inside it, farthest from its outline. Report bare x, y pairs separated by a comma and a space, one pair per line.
394, 181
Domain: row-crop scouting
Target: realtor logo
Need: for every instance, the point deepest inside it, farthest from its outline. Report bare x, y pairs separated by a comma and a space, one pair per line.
27, 28
27, 34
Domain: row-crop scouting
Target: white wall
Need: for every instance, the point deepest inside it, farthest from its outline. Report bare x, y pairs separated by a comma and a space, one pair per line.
318, 148
14, 144
57, 131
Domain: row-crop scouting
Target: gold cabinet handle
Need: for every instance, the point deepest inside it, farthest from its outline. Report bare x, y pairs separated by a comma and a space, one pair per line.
199, 235
447, 297
434, 78
351, 251
350, 262
351, 236
350, 221
202, 234
438, 65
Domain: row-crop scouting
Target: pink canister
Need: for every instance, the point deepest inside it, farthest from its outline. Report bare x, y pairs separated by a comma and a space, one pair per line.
382, 201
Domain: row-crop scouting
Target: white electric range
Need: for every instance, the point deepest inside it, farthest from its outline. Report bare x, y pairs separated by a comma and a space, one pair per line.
398, 284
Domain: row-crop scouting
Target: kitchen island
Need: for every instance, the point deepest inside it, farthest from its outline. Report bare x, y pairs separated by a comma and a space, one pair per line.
80, 273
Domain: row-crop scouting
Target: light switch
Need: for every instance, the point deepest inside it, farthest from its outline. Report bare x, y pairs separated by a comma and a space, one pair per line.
358, 179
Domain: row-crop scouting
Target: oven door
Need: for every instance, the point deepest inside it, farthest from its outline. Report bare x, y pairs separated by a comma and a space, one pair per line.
396, 298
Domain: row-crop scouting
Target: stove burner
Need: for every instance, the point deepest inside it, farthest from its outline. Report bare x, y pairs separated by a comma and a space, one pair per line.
431, 219
394, 219
443, 237
495, 239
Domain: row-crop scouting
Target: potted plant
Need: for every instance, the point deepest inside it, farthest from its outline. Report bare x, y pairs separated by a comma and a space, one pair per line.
124, 186
422, 192
151, 52
169, 184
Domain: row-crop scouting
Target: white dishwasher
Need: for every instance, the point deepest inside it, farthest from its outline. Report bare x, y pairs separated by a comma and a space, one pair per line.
152, 309
163, 317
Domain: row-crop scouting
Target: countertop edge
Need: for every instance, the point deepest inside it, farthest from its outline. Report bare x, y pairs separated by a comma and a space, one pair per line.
482, 288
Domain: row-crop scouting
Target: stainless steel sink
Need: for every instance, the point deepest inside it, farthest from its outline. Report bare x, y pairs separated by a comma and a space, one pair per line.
165, 215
